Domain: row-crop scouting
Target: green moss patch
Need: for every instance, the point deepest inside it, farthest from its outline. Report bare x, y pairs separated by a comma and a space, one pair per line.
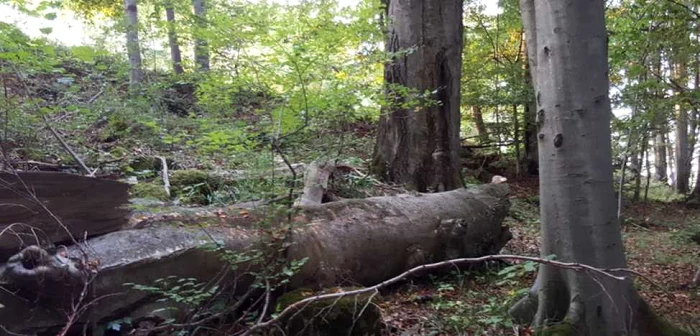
356, 315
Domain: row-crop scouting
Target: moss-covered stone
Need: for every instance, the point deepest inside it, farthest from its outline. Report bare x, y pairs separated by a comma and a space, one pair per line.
351, 315
149, 190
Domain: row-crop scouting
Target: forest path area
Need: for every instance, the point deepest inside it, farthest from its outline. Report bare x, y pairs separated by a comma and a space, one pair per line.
662, 242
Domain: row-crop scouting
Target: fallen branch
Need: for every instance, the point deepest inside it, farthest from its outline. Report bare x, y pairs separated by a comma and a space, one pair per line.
316, 182
92, 100
302, 303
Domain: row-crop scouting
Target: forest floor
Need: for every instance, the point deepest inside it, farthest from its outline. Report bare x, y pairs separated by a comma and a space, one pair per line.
661, 241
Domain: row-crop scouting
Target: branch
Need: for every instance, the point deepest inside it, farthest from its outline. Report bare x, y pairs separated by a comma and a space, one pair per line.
686, 7
302, 303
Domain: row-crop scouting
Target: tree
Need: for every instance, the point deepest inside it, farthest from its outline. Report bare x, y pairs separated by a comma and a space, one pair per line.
568, 56
172, 38
201, 47
418, 145
133, 47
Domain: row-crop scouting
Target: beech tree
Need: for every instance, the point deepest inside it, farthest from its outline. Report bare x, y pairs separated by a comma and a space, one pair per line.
418, 145
175, 53
567, 48
201, 47
133, 47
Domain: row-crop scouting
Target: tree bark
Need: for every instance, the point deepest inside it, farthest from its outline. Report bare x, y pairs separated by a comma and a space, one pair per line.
133, 46
683, 155
419, 146
175, 54
201, 45
530, 159
568, 55
660, 165
359, 241
85, 206
516, 141
480, 125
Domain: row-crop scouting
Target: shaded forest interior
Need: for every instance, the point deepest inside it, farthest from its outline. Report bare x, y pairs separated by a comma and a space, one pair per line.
310, 146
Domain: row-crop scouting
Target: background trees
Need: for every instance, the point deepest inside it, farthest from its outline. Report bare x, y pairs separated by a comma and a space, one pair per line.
248, 85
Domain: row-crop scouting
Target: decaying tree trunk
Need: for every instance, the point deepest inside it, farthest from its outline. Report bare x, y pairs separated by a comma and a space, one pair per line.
419, 145
360, 241
568, 53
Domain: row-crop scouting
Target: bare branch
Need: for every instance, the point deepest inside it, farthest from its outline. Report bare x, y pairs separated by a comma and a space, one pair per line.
294, 308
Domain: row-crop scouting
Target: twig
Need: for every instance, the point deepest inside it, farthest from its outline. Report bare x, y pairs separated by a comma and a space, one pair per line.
164, 173
573, 266
92, 100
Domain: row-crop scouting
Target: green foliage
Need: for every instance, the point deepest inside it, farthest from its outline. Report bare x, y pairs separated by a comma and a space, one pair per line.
187, 291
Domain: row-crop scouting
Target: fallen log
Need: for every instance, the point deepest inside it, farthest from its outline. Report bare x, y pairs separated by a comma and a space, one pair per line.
32, 203
351, 241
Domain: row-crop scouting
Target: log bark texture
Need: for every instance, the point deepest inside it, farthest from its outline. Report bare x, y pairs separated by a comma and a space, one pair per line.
418, 145
86, 207
357, 241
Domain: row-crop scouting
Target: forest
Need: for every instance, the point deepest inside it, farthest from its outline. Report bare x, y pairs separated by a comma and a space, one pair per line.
350, 167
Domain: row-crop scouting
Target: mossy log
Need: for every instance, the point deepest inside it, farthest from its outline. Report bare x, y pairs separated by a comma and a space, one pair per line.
351, 241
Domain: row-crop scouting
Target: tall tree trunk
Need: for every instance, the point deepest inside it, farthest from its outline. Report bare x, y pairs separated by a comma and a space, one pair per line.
516, 141
175, 54
660, 143
201, 46
568, 55
419, 146
133, 46
480, 125
683, 157
530, 159
660, 163
638, 177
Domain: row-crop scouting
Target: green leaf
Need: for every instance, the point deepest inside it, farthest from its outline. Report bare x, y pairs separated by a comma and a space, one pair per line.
46, 30
50, 16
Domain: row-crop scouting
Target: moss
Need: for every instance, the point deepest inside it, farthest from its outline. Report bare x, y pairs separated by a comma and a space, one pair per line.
193, 186
184, 178
149, 190
331, 317
559, 329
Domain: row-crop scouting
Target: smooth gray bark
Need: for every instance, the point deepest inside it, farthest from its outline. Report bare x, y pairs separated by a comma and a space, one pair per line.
133, 46
175, 53
568, 58
418, 146
660, 163
201, 46
354, 241
683, 149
